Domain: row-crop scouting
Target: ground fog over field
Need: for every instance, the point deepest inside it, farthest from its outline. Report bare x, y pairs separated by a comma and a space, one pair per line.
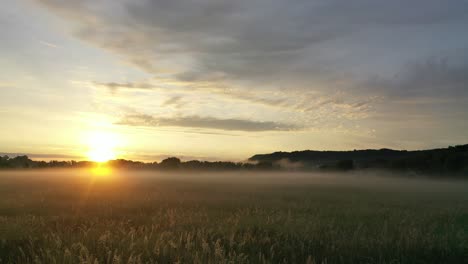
104, 216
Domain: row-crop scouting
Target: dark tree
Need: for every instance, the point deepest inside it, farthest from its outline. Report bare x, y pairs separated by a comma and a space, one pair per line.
170, 163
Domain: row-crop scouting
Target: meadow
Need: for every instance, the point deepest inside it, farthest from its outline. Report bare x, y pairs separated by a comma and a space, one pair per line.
83, 216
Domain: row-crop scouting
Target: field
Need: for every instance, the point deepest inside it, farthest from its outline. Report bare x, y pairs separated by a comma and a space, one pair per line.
151, 217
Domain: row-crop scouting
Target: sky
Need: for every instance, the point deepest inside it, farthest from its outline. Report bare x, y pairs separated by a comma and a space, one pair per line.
224, 80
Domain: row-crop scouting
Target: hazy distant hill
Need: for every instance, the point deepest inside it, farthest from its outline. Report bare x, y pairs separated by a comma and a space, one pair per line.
451, 159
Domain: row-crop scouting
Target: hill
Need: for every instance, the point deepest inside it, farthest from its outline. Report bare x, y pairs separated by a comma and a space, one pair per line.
451, 159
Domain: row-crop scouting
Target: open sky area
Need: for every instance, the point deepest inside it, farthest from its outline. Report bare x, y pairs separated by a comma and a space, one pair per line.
210, 79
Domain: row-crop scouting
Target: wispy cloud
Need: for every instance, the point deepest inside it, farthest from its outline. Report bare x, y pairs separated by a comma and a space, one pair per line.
290, 100
114, 86
48, 44
175, 101
433, 77
204, 122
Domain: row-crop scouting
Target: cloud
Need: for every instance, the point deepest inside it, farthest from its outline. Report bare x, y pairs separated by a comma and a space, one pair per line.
289, 100
114, 86
204, 122
433, 77
175, 101
245, 39
48, 44
308, 62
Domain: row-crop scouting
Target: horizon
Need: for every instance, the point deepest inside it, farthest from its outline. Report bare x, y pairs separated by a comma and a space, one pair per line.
159, 158
143, 79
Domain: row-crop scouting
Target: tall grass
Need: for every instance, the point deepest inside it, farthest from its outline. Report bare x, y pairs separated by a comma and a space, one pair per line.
242, 219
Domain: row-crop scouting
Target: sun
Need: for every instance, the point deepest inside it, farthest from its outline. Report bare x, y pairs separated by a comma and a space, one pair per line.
101, 146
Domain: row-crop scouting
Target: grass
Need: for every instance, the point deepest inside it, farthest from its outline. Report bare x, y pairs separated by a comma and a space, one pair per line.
134, 217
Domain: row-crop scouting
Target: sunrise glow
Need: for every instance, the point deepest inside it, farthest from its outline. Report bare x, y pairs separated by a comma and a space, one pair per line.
101, 146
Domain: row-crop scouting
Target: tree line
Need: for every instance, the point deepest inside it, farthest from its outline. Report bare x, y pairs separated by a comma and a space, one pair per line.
451, 160
445, 161
172, 163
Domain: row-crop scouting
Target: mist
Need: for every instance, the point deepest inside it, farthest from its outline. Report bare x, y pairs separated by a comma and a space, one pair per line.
130, 180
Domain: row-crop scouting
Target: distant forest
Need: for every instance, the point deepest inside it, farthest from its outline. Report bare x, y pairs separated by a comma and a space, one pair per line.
444, 161
453, 160
173, 163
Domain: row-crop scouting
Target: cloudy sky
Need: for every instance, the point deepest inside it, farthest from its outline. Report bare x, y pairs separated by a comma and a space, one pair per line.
228, 79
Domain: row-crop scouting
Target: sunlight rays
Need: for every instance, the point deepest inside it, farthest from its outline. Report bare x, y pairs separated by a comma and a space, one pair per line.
101, 146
